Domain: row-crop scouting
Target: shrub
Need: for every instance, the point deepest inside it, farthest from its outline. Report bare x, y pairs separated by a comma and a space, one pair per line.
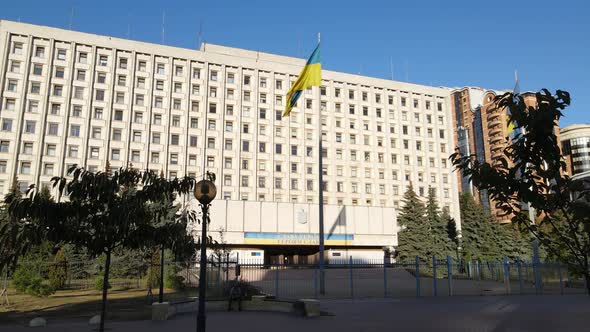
172, 279
99, 282
58, 273
27, 281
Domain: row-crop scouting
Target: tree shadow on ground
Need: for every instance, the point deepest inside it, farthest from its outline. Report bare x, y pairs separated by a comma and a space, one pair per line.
123, 304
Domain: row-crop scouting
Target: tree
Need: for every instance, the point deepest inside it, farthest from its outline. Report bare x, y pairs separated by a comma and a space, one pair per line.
58, 272
103, 212
413, 238
441, 244
171, 219
452, 233
531, 172
478, 240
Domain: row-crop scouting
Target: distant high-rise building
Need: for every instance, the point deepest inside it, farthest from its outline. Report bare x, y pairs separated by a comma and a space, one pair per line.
481, 130
575, 140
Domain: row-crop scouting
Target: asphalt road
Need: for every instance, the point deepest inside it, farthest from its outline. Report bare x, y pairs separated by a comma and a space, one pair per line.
473, 313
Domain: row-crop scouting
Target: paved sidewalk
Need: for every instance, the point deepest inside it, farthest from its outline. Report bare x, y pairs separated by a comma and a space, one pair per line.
491, 313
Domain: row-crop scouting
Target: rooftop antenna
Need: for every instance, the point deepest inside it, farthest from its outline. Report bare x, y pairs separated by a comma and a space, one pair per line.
360, 69
163, 26
71, 18
200, 34
391, 67
407, 80
128, 26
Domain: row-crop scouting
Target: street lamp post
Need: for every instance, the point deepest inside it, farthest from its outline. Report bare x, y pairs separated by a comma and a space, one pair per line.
205, 192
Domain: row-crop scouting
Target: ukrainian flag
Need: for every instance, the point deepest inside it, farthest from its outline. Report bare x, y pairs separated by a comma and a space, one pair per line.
311, 75
511, 124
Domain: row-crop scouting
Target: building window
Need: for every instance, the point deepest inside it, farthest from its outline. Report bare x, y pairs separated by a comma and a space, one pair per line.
83, 57
174, 158
101, 78
115, 154
103, 60
30, 127
61, 54
116, 136
27, 148
75, 130
193, 141
155, 157
137, 136
94, 152
17, 48
52, 129
73, 151
135, 156
118, 115
15, 67
50, 150
25, 167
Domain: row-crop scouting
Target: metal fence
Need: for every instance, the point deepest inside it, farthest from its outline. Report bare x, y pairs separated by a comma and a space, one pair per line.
436, 277
344, 278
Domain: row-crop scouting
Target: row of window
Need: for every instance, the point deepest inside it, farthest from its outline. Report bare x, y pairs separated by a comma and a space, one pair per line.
48, 170
123, 63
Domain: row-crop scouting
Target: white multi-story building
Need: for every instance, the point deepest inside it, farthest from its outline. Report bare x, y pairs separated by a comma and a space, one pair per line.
76, 98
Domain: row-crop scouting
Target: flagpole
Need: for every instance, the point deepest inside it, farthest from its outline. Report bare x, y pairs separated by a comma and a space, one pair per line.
321, 192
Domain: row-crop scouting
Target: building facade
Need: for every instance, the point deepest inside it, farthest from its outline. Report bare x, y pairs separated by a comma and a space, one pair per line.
76, 98
482, 131
575, 141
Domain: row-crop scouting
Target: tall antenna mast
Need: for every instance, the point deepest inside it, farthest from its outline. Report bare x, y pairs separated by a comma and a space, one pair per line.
163, 26
407, 71
391, 67
71, 18
200, 35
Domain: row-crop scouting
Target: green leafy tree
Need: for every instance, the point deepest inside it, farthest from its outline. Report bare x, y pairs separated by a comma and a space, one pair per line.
103, 212
532, 172
414, 237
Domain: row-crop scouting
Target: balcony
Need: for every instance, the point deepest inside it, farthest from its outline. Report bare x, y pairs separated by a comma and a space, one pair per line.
496, 139
493, 116
495, 123
497, 130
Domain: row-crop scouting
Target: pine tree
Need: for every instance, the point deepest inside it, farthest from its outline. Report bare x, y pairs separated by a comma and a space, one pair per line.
413, 237
473, 228
452, 233
440, 243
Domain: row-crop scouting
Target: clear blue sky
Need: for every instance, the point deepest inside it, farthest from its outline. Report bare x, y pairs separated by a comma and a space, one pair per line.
449, 43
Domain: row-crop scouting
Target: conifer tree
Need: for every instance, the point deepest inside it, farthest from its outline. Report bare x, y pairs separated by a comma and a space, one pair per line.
440, 243
452, 233
413, 237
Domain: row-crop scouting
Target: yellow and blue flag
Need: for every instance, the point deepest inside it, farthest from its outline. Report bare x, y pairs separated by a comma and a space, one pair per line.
311, 75
515, 92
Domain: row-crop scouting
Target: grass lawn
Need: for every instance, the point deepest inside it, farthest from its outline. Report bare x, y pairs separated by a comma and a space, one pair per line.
123, 304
